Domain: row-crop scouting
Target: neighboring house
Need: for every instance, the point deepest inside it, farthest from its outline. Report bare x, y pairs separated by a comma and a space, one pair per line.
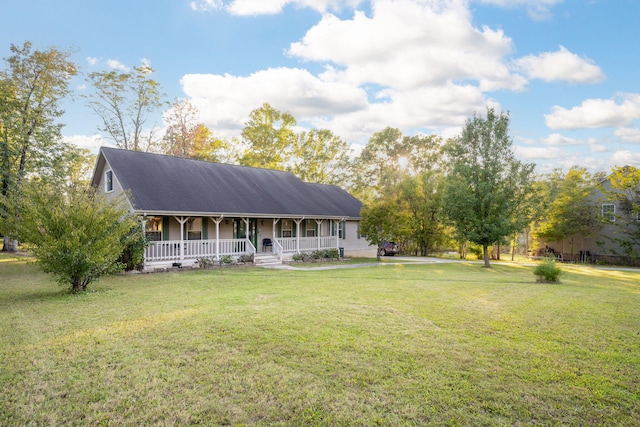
611, 242
194, 209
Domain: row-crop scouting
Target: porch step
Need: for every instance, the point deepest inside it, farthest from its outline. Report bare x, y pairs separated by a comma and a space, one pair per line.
266, 259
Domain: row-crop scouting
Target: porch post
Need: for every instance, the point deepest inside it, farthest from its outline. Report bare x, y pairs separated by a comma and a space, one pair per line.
338, 234
319, 224
247, 233
182, 220
143, 223
217, 221
298, 221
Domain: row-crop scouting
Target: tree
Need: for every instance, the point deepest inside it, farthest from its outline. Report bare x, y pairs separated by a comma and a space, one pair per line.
187, 137
569, 210
378, 222
389, 156
123, 100
487, 190
30, 93
321, 157
380, 165
77, 235
269, 137
420, 202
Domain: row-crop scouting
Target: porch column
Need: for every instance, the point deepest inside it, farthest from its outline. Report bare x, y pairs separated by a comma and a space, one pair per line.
319, 224
273, 227
182, 220
298, 221
247, 232
143, 223
217, 221
337, 234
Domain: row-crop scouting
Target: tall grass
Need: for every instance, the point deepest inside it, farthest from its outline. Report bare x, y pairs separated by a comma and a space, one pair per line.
381, 345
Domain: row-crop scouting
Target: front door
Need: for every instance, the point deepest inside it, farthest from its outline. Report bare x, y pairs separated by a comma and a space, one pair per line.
241, 232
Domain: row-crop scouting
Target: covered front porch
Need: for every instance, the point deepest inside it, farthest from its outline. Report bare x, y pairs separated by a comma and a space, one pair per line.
186, 239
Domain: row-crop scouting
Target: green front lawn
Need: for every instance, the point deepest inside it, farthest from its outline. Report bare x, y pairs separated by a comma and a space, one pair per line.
451, 344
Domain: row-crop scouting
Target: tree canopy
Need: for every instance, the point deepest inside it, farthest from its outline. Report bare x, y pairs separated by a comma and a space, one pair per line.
30, 140
487, 193
123, 101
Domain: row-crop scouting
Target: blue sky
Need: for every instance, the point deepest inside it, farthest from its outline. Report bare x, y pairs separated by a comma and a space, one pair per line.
566, 70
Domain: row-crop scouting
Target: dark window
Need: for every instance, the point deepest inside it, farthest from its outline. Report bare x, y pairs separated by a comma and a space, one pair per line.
108, 181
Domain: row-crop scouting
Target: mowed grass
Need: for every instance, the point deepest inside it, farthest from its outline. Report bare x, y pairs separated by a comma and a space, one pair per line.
438, 344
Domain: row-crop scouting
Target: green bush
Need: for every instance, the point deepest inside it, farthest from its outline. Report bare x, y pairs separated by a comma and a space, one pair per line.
333, 253
547, 271
204, 262
246, 258
226, 259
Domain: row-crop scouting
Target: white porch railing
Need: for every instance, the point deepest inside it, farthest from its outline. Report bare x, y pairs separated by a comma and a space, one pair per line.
168, 250
290, 244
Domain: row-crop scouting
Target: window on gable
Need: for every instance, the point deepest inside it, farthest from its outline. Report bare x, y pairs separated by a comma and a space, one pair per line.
609, 211
108, 181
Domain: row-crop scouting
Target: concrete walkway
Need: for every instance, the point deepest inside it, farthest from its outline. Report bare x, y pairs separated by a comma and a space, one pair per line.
397, 260
389, 261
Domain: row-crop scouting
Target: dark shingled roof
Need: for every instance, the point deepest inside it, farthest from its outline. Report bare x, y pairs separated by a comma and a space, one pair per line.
159, 183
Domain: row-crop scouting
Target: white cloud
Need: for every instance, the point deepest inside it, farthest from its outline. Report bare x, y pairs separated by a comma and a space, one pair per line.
538, 153
557, 139
205, 5
596, 113
628, 134
92, 142
395, 48
269, 7
538, 9
225, 101
91, 60
625, 157
114, 64
560, 66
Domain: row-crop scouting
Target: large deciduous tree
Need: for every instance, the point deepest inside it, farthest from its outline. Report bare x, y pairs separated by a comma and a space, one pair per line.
269, 138
123, 100
420, 202
487, 193
30, 93
187, 137
321, 157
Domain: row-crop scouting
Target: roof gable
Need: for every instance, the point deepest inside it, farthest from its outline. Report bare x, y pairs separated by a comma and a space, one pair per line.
160, 183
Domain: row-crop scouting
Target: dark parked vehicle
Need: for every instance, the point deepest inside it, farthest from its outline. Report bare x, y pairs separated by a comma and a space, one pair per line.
388, 248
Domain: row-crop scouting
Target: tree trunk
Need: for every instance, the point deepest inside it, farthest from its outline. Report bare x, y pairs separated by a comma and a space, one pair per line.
485, 250
10, 245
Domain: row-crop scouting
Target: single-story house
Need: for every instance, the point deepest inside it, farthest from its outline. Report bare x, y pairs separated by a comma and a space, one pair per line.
194, 209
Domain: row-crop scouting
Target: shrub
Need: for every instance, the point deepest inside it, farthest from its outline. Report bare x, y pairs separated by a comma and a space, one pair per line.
226, 259
547, 271
78, 235
204, 262
298, 256
333, 253
247, 258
